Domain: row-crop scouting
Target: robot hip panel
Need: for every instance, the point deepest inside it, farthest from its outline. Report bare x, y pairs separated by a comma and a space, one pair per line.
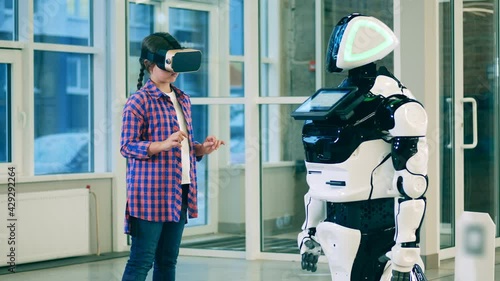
340, 245
353, 256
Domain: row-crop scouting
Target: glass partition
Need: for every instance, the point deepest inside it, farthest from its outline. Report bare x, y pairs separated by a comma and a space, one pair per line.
9, 19
481, 164
63, 113
221, 189
63, 22
140, 25
5, 108
447, 206
283, 183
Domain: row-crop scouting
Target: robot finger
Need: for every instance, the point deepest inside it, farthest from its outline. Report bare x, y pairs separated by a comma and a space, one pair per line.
310, 258
304, 262
314, 267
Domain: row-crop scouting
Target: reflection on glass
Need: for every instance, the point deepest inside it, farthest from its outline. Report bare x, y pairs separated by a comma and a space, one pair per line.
199, 114
236, 78
5, 128
237, 129
221, 192
8, 20
236, 18
140, 25
264, 28
63, 22
63, 113
284, 181
191, 29
264, 81
447, 231
480, 82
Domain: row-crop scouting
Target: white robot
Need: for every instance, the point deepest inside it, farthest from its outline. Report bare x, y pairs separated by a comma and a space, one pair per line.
366, 160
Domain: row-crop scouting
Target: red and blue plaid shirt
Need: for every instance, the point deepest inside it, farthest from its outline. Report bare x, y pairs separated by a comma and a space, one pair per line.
154, 190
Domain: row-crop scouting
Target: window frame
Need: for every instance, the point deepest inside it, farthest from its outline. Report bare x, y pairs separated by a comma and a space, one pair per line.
213, 85
18, 114
23, 111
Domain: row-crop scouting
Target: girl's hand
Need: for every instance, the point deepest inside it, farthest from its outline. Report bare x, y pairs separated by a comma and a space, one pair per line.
210, 144
174, 140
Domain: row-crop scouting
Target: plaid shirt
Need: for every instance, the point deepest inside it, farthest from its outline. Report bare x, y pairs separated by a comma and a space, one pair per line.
154, 190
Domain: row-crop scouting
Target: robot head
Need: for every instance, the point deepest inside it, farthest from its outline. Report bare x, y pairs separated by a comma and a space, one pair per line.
358, 40
164, 50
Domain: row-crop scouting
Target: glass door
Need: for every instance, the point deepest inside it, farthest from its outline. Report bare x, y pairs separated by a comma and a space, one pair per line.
221, 218
469, 112
480, 77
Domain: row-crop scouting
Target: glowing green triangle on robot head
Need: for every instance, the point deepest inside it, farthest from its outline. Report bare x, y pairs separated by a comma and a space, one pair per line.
388, 40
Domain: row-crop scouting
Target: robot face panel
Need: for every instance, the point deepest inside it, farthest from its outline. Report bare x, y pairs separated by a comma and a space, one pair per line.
357, 41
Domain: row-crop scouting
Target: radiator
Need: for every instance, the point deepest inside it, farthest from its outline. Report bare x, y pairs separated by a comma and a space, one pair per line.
49, 225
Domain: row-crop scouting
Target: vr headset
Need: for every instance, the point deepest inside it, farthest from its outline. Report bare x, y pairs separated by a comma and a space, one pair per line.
175, 60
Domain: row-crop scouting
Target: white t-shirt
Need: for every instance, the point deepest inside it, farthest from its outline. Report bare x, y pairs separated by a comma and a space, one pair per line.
185, 142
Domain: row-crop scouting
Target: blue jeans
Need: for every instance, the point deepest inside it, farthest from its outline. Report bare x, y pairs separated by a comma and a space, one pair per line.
156, 242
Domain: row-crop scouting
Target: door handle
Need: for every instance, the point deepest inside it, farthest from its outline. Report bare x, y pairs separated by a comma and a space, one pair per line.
450, 125
473, 102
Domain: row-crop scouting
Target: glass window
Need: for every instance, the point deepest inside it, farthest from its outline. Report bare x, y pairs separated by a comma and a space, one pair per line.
78, 8
236, 79
7, 20
63, 113
140, 25
237, 116
221, 188
190, 28
199, 114
237, 129
5, 104
78, 73
284, 182
447, 187
236, 33
63, 22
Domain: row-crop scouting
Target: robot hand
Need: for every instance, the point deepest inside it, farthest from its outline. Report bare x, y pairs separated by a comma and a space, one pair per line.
310, 249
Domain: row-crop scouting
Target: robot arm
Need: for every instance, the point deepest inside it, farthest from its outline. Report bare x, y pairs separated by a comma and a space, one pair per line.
310, 249
409, 156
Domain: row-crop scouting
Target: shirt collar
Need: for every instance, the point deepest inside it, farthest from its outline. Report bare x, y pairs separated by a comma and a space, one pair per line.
153, 91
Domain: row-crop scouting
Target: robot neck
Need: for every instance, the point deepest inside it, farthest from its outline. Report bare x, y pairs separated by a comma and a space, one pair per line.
364, 76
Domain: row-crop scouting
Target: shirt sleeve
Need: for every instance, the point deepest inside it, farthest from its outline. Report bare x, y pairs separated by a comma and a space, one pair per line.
198, 158
131, 144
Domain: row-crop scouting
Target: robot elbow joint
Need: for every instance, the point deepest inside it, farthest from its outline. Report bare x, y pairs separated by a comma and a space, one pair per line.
414, 186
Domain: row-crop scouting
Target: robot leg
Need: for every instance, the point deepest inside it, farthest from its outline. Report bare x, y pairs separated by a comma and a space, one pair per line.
340, 245
406, 261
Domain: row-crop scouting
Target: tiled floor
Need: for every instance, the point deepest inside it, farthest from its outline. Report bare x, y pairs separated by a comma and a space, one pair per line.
205, 269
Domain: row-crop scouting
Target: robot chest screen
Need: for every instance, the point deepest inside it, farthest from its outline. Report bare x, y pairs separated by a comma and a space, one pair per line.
328, 142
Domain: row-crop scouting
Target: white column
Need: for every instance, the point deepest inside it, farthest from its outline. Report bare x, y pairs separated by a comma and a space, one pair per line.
118, 89
252, 135
419, 66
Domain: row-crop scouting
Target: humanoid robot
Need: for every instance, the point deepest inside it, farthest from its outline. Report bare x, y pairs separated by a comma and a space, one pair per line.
366, 158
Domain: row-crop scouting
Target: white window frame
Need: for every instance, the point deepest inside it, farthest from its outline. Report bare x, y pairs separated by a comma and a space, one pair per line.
18, 118
24, 99
273, 79
211, 225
